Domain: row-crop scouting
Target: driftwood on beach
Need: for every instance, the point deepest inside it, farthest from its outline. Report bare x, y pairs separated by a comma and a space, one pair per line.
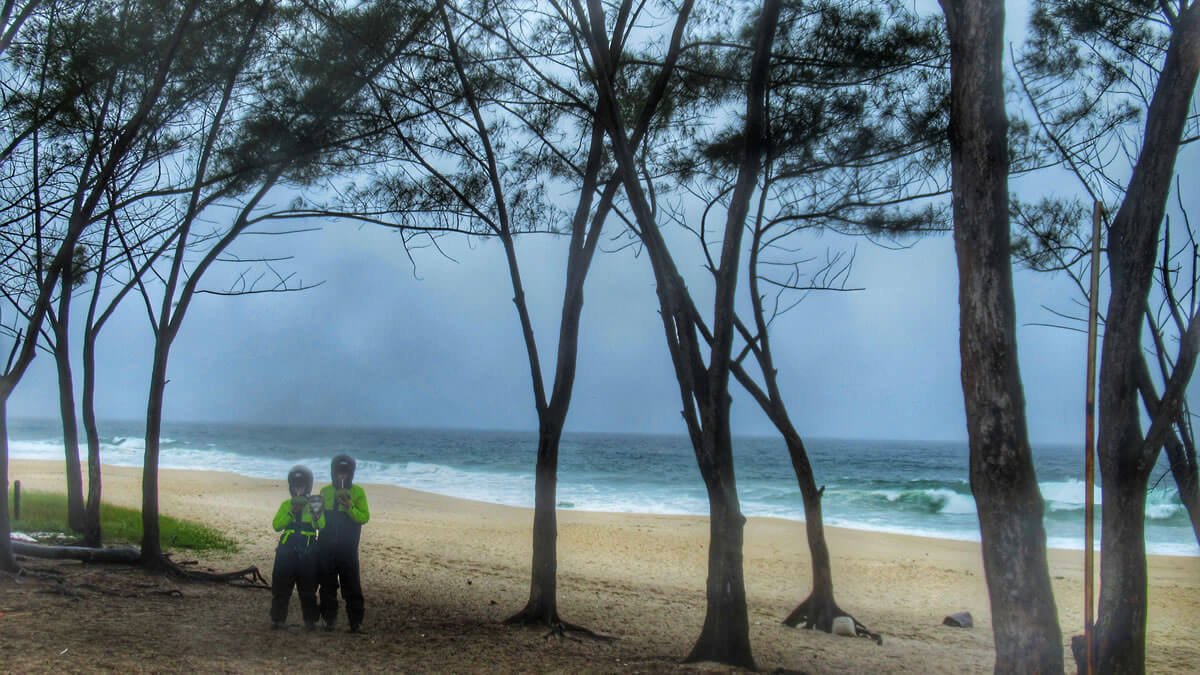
132, 555
112, 554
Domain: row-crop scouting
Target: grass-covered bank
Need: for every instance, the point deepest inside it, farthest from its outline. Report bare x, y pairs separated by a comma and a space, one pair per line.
45, 513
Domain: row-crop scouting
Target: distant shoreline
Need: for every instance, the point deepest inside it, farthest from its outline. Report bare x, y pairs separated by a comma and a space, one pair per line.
757, 435
49, 466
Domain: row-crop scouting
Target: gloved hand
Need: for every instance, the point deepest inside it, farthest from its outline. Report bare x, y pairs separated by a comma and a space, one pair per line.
343, 498
316, 505
298, 503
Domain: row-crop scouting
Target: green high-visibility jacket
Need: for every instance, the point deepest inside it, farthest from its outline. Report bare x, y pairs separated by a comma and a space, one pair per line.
302, 528
344, 525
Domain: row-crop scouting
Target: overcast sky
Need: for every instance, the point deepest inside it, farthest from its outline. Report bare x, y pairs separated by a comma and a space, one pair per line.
439, 345
377, 345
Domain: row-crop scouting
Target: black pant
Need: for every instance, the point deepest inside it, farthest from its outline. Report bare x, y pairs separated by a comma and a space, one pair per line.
340, 567
294, 567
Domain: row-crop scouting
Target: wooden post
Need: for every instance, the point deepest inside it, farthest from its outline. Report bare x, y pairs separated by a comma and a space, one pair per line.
16, 500
1089, 463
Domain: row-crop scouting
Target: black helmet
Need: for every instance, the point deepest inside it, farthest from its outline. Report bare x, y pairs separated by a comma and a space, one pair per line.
300, 480
342, 464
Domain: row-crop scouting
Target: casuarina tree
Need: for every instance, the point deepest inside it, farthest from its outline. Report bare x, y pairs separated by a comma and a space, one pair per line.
129, 78
1002, 476
703, 383
854, 142
289, 121
1112, 85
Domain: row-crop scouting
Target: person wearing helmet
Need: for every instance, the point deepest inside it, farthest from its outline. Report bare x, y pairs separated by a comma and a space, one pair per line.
298, 520
346, 512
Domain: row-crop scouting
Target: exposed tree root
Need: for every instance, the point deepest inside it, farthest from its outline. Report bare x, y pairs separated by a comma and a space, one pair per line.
819, 615
170, 592
63, 590
248, 577
33, 572
558, 628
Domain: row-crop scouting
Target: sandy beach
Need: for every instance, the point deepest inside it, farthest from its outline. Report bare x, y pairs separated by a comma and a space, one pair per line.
441, 574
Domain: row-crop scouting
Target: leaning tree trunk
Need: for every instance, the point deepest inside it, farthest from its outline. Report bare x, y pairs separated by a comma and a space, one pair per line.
66, 405
152, 554
820, 608
1183, 467
7, 562
542, 606
704, 391
1178, 443
92, 534
1003, 480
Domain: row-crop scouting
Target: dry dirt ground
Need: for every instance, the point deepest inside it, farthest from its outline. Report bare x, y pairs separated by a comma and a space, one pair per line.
440, 575
66, 616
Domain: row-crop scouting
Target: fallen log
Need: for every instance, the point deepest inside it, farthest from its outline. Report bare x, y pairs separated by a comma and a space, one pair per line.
115, 554
249, 577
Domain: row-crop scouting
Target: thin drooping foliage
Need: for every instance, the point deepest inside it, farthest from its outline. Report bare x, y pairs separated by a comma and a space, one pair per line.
703, 383
307, 76
854, 143
86, 120
142, 140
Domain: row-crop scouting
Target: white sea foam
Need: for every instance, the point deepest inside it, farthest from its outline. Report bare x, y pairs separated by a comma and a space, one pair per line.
512, 489
1067, 495
931, 500
956, 503
1162, 503
1163, 511
934, 512
36, 449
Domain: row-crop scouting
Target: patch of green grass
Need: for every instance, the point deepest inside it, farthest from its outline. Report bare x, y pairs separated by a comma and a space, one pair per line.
46, 512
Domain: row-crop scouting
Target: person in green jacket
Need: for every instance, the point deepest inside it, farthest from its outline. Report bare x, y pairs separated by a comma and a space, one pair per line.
346, 512
296, 564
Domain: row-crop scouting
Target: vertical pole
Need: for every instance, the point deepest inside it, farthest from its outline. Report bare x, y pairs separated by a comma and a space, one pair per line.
16, 500
1089, 463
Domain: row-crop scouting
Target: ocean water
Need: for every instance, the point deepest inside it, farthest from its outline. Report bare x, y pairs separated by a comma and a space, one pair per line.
893, 486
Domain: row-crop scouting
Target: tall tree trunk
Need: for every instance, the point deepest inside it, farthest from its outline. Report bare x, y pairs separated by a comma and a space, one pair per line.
92, 534
70, 424
704, 391
7, 562
542, 606
1121, 625
1126, 455
1003, 480
725, 636
66, 403
152, 556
